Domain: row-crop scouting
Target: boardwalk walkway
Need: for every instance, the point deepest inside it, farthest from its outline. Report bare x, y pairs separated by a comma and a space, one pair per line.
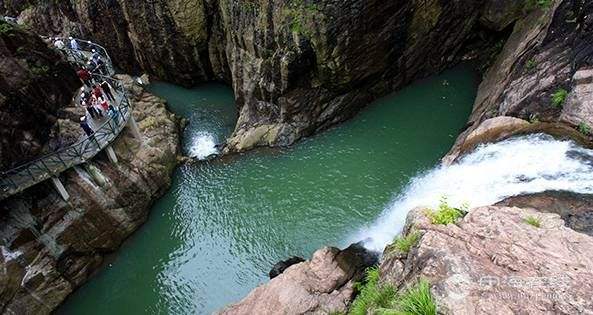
106, 131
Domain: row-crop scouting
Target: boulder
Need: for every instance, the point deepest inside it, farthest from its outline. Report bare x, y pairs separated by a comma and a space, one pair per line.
325, 284
282, 265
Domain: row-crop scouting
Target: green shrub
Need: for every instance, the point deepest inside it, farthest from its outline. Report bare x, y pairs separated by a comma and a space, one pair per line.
584, 129
383, 299
530, 64
559, 97
40, 71
446, 214
405, 243
5, 28
533, 221
372, 295
418, 300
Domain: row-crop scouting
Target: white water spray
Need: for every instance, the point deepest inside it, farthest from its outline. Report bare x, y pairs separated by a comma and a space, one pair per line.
492, 172
203, 145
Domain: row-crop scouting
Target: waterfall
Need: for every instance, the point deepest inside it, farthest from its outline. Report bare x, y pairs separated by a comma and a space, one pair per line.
202, 146
492, 172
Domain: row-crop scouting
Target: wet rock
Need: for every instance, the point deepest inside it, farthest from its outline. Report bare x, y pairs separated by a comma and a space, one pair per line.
282, 265
493, 262
322, 285
575, 209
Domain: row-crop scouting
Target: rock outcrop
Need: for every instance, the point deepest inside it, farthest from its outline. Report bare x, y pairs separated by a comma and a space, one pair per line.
548, 53
296, 66
35, 83
493, 262
322, 285
50, 247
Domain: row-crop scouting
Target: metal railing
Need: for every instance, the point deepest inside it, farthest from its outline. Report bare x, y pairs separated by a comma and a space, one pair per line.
26, 175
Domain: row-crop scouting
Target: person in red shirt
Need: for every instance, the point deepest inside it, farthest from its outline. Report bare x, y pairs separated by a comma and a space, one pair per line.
97, 91
84, 76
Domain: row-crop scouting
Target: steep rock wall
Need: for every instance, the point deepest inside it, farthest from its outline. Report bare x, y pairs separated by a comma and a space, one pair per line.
49, 247
296, 66
550, 50
35, 82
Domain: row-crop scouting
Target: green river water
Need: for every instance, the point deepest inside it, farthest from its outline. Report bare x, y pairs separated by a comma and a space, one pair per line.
214, 236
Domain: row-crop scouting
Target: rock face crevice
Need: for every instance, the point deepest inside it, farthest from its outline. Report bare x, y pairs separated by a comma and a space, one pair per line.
49, 246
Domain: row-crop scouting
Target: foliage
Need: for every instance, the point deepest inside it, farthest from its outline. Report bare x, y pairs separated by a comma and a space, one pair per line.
446, 214
375, 298
418, 300
40, 71
5, 28
559, 97
297, 13
530, 64
533, 221
372, 295
584, 129
542, 4
405, 243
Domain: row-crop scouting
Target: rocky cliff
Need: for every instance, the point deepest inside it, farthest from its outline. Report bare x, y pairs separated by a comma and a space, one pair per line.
541, 81
495, 260
50, 247
296, 66
35, 83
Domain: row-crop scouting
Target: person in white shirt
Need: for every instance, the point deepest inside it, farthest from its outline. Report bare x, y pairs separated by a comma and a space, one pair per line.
59, 44
73, 44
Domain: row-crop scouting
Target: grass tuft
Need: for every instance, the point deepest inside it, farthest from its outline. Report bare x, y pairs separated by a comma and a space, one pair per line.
584, 129
372, 295
533, 221
559, 97
384, 299
418, 300
405, 243
446, 214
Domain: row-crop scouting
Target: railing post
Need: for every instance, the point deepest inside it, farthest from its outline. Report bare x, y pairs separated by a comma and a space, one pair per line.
60, 188
111, 154
134, 127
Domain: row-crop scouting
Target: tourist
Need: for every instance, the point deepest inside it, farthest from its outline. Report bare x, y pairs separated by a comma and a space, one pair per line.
97, 106
97, 91
89, 108
85, 126
74, 44
84, 76
113, 114
107, 89
104, 105
59, 44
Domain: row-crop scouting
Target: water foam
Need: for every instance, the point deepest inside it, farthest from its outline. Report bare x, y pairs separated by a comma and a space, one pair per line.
202, 146
492, 172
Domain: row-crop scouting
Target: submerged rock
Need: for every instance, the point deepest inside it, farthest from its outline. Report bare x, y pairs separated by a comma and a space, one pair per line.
322, 285
494, 262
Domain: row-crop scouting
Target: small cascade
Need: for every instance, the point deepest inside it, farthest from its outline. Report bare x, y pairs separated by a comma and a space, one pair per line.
492, 172
203, 145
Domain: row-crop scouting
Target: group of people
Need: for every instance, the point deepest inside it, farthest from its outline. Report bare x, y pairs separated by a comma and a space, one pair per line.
96, 95
97, 100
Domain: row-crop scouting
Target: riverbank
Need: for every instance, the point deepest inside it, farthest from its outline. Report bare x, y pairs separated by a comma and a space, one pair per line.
51, 246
